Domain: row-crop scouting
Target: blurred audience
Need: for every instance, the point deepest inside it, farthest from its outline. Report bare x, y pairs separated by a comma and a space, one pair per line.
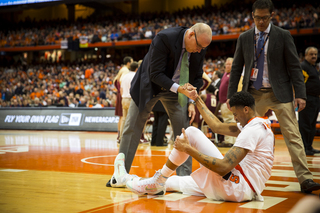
61, 85
229, 18
58, 86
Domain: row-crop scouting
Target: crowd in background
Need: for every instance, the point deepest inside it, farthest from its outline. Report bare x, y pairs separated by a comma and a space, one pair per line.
82, 85
227, 19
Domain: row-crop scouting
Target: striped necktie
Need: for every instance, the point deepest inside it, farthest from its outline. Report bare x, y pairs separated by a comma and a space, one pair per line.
260, 63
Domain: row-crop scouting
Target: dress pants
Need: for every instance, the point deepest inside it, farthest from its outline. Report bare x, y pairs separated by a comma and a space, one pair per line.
136, 120
125, 107
308, 120
159, 128
289, 128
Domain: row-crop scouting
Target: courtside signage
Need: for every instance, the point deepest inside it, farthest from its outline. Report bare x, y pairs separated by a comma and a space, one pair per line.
59, 119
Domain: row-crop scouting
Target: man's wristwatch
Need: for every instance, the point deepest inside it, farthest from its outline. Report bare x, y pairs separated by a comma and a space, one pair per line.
192, 102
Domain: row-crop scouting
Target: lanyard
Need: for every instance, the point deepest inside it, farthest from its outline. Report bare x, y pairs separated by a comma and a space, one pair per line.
255, 47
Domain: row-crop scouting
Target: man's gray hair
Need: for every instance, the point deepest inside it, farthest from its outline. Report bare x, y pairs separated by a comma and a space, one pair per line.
309, 48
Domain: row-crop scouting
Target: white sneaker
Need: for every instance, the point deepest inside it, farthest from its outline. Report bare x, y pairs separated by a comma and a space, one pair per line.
120, 175
149, 186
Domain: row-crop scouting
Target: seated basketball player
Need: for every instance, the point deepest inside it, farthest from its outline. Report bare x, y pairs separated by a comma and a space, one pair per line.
238, 176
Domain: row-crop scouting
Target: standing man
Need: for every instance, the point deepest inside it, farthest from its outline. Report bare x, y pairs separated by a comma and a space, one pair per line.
125, 91
226, 114
117, 83
214, 86
216, 79
272, 71
174, 62
308, 116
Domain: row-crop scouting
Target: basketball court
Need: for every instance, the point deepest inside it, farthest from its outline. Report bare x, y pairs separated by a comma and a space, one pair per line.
67, 171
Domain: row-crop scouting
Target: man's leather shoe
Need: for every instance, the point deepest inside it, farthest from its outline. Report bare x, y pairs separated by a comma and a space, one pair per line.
316, 151
309, 185
309, 152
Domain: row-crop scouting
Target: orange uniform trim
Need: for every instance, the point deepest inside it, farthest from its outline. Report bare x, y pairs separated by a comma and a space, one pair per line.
238, 167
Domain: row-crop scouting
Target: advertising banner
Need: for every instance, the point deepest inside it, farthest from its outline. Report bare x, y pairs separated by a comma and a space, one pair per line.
60, 118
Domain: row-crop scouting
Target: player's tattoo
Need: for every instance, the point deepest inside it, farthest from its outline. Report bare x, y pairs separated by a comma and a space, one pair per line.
214, 161
230, 161
206, 159
209, 113
231, 155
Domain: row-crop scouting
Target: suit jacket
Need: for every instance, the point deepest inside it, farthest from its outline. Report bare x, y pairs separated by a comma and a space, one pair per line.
283, 64
157, 68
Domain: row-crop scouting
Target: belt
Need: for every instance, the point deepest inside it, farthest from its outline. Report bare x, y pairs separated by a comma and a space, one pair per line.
238, 167
265, 89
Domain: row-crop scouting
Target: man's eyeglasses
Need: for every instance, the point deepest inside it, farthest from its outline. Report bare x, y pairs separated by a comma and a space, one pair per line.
264, 18
195, 36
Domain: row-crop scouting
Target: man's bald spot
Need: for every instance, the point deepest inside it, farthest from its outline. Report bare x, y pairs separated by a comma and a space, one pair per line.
202, 28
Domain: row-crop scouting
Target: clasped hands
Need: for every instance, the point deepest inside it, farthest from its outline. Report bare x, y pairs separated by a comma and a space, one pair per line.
191, 92
188, 90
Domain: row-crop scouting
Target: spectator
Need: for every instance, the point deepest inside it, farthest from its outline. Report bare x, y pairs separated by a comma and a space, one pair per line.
82, 102
19, 89
37, 102
117, 83
15, 103
308, 116
25, 103
125, 92
226, 114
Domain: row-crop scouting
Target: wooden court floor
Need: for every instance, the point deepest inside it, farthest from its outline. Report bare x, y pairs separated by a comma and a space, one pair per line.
64, 171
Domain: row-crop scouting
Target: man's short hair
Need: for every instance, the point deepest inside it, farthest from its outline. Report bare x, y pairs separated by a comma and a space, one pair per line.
309, 48
242, 99
218, 73
263, 4
127, 59
133, 66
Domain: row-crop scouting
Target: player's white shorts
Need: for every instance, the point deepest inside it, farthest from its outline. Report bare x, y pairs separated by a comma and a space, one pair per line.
204, 182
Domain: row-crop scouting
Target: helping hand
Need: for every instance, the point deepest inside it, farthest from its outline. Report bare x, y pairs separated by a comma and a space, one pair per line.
189, 91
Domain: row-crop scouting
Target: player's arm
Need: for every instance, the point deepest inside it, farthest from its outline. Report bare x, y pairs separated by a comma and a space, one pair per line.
220, 166
214, 123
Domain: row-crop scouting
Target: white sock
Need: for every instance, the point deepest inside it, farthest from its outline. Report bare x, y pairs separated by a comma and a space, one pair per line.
166, 171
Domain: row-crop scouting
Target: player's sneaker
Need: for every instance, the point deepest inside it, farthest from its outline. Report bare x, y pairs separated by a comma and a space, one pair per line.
149, 186
120, 175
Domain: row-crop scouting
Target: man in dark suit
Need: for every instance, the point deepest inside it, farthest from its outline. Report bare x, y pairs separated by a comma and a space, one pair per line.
158, 79
272, 80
